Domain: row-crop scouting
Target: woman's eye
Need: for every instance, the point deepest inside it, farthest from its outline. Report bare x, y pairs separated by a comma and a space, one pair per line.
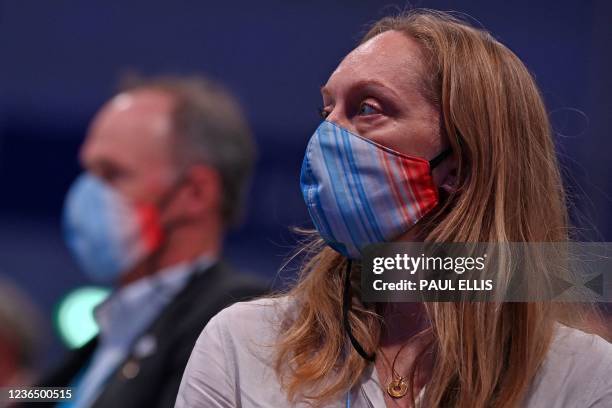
367, 109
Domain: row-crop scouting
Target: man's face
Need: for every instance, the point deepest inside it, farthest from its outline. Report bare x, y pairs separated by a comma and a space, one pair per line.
129, 145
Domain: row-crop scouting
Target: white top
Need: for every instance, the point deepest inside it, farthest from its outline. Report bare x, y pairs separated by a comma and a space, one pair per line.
232, 365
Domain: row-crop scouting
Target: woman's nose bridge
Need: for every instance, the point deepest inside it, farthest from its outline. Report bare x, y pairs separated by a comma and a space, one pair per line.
338, 116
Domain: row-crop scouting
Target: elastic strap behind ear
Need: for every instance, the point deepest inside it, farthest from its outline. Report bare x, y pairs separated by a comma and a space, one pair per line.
346, 306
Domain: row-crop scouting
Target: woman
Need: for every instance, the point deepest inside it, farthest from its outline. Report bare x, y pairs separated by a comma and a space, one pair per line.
445, 123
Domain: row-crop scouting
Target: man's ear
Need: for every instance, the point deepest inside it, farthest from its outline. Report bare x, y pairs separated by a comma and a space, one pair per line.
203, 190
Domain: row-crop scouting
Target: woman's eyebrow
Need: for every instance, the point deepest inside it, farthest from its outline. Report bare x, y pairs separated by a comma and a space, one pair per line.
374, 84
374, 88
365, 84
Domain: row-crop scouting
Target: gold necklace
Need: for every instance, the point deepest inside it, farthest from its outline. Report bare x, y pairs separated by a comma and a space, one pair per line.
398, 386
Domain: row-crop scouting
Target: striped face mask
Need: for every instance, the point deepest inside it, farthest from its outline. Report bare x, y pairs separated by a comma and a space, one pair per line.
360, 193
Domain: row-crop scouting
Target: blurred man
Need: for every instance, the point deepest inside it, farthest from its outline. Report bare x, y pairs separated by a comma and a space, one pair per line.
166, 166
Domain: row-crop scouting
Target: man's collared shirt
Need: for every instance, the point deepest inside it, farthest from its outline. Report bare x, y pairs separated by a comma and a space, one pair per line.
123, 318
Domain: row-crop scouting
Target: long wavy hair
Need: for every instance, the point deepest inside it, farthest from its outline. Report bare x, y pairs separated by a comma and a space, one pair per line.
509, 190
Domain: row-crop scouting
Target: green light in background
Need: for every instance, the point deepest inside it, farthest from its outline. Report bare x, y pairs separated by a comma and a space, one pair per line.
74, 315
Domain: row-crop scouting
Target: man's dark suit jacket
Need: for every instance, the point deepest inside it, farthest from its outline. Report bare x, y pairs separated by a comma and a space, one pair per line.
151, 375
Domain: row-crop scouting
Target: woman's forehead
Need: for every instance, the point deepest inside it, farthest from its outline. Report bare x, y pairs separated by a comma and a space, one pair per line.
391, 58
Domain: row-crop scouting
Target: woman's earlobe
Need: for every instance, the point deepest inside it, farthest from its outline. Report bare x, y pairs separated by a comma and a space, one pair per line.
449, 184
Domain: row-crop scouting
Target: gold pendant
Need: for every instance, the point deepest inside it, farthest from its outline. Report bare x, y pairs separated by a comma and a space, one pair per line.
397, 388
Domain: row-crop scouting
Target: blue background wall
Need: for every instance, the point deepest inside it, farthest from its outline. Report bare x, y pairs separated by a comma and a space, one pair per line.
60, 60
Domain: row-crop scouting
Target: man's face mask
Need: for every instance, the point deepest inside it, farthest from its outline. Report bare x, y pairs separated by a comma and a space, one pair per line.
107, 234
360, 193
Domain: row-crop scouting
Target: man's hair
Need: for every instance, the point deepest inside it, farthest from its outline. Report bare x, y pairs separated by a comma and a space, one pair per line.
210, 129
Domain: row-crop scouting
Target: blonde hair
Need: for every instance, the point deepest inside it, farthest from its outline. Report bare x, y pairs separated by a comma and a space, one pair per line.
509, 190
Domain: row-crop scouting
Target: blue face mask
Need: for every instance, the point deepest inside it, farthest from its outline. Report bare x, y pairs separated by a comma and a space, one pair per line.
359, 192
107, 234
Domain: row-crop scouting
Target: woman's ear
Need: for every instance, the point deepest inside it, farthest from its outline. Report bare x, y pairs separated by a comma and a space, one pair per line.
450, 182
445, 175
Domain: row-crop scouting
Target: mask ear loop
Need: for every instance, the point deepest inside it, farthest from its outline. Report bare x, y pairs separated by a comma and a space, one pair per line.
346, 305
162, 204
433, 163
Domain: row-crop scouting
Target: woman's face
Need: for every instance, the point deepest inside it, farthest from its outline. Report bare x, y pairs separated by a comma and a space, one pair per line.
376, 93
